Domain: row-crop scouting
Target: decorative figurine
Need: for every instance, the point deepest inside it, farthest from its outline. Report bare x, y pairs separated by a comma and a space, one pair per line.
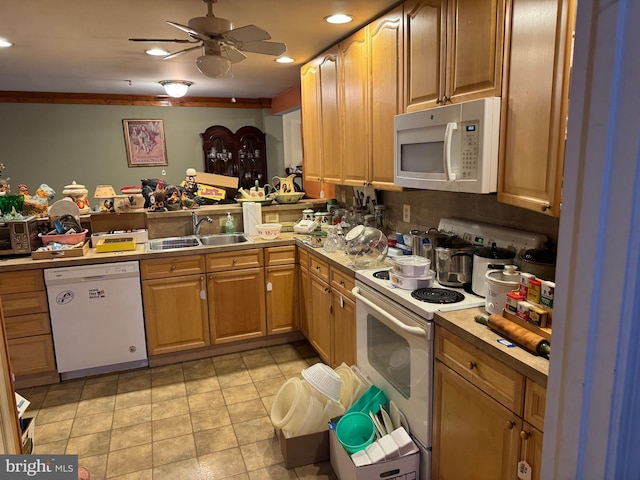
38, 204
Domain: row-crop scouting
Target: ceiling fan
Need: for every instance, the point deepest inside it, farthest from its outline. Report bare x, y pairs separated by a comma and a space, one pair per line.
221, 44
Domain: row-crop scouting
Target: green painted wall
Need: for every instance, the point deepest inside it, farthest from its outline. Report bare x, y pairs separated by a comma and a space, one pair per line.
56, 144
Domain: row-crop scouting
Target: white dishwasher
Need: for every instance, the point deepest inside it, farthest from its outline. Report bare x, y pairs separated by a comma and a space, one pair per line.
96, 318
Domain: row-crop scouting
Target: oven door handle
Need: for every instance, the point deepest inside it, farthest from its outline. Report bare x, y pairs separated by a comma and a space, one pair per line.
416, 331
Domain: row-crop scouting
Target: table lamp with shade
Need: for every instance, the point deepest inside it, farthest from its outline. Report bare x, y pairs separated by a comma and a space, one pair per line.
106, 194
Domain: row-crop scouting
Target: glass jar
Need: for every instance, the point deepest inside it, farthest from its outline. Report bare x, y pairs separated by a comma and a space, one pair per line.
378, 211
366, 246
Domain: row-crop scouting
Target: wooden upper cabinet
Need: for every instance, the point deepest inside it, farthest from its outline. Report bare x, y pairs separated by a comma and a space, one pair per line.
386, 80
535, 102
355, 108
311, 126
453, 51
330, 117
424, 52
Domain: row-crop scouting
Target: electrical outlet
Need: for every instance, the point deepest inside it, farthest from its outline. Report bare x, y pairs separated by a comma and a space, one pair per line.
343, 197
271, 218
406, 213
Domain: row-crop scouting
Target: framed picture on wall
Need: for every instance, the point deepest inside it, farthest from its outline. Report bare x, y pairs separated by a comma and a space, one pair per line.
145, 144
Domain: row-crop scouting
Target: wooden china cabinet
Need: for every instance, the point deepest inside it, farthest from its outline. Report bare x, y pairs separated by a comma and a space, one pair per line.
242, 154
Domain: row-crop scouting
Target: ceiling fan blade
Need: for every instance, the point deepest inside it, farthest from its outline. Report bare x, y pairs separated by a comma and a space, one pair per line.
232, 54
248, 33
267, 48
176, 40
175, 54
188, 30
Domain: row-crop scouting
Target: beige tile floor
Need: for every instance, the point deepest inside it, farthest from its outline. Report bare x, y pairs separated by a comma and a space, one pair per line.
199, 420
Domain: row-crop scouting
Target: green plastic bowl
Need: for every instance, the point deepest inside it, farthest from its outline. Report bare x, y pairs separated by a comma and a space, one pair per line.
355, 431
369, 401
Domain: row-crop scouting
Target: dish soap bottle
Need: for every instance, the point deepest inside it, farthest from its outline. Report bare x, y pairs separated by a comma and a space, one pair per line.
230, 224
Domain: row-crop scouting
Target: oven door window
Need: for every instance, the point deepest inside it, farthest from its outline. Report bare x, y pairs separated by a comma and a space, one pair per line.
390, 354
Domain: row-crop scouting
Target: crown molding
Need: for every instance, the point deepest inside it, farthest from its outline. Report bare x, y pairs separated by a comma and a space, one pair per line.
135, 100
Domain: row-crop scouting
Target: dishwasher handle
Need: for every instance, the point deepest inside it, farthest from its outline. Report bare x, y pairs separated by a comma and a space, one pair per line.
416, 331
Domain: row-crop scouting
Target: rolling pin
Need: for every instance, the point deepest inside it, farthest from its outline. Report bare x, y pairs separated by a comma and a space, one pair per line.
517, 334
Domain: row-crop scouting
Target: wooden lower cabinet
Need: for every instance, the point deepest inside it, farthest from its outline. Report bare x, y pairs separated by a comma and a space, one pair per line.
531, 449
282, 298
305, 300
176, 316
473, 435
31, 355
344, 330
237, 309
320, 325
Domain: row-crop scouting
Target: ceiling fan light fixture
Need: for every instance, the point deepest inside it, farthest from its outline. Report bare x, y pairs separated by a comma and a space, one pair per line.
176, 88
156, 52
5, 43
338, 18
285, 59
214, 66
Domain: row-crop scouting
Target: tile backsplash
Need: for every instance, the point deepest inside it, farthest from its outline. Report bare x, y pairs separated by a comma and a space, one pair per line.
427, 207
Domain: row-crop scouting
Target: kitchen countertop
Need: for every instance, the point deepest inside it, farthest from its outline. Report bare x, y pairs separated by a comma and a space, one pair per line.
460, 322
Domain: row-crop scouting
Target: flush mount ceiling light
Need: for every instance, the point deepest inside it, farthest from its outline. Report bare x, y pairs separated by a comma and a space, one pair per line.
176, 88
338, 18
156, 52
285, 60
5, 43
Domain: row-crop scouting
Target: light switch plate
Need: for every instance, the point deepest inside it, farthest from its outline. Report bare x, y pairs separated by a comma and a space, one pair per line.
406, 213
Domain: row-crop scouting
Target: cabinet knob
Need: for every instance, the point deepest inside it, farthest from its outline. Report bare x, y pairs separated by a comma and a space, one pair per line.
173, 267
524, 435
438, 100
234, 261
445, 99
545, 207
342, 283
471, 365
510, 424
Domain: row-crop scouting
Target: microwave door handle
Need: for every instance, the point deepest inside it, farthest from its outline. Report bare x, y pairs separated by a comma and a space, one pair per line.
416, 331
448, 135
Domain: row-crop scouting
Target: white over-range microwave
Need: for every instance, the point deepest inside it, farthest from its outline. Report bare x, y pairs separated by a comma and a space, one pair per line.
452, 148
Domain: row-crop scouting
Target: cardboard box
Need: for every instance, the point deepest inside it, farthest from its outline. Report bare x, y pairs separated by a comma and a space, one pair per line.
403, 468
28, 433
305, 449
22, 404
70, 252
140, 235
228, 185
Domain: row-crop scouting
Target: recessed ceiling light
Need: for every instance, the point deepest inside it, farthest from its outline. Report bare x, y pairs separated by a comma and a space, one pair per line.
5, 43
285, 60
156, 52
339, 18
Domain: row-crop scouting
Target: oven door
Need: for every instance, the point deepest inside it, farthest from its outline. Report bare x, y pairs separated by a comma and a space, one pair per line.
395, 350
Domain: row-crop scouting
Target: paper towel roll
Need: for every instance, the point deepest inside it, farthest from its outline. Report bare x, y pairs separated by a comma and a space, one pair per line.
251, 216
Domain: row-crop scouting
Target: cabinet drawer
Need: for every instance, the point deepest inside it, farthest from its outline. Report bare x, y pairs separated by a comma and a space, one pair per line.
279, 256
343, 282
303, 257
535, 404
319, 268
492, 376
31, 355
24, 303
27, 325
252, 258
23, 281
163, 267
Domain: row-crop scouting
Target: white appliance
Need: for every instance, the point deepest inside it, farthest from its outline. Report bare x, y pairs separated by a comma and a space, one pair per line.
394, 336
96, 318
453, 147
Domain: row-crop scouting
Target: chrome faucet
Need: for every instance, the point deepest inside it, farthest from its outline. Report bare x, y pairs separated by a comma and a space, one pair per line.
196, 223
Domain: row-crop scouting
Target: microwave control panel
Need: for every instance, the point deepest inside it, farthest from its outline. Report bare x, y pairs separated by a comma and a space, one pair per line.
470, 145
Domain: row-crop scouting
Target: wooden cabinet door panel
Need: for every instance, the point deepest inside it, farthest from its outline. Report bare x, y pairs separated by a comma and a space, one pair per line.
386, 81
282, 299
311, 126
251, 258
531, 449
175, 311
473, 435
330, 117
31, 355
274, 256
24, 303
320, 334
355, 108
474, 49
535, 403
27, 325
172, 266
424, 43
344, 330
305, 301
237, 308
